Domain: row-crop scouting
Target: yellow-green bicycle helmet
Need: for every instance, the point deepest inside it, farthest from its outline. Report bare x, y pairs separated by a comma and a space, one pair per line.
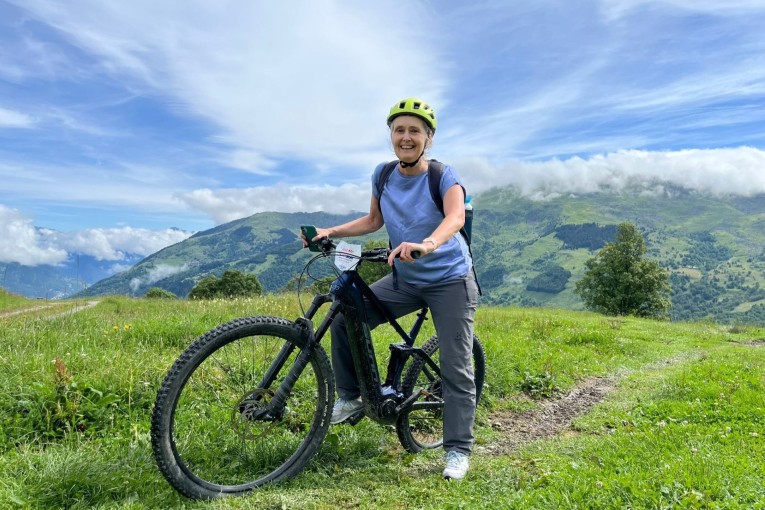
416, 107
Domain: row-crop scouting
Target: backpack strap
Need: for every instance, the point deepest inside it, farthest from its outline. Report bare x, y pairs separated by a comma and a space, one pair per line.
435, 171
383, 179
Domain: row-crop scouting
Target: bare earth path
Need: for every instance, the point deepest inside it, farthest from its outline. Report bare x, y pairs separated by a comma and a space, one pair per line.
77, 308
25, 310
61, 306
553, 418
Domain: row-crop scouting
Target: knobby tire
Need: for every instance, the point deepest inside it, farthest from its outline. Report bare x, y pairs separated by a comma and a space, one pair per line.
205, 441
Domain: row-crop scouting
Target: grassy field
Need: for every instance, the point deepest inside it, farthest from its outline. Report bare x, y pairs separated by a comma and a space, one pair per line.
9, 301
679, 421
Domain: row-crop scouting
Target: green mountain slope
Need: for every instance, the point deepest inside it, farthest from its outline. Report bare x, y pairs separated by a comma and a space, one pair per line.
528, 252
266, 244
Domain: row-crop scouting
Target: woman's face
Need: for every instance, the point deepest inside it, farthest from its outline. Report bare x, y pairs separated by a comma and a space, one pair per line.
409, 136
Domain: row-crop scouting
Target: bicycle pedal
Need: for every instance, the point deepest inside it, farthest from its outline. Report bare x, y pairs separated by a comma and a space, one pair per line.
355, 418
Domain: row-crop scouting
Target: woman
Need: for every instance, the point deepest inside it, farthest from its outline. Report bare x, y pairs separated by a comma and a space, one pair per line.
442, 277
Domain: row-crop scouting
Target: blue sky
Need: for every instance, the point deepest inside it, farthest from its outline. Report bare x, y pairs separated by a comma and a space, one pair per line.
126, 126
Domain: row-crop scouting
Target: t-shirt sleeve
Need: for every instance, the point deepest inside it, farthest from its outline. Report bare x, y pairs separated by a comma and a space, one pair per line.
448, 179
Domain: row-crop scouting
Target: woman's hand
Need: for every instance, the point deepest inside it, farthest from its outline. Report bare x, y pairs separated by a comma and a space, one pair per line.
405, 251
321, 233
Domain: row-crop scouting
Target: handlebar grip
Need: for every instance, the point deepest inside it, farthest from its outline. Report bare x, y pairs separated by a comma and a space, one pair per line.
415, 254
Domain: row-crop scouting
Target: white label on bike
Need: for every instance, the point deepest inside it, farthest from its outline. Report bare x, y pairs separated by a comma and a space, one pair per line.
347, 255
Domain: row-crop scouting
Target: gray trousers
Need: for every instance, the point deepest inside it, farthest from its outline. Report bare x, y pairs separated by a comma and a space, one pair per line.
452, 306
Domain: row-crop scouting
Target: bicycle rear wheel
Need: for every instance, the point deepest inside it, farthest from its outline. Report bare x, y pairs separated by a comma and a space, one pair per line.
209, 435
422, 427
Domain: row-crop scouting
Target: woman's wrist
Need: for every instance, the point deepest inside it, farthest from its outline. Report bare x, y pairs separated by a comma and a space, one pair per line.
432, 241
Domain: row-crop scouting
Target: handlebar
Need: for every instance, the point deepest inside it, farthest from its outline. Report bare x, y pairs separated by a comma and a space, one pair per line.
374, 255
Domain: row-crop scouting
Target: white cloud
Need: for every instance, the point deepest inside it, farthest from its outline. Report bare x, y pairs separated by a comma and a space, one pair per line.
14, 119
735, 171
22, 243
114, 243
229, 204
118, 268
27, 245
287, 78
249, 161
156, 274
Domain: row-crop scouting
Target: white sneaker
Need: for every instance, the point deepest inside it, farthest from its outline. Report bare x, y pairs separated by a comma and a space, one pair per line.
456, 465
344, 409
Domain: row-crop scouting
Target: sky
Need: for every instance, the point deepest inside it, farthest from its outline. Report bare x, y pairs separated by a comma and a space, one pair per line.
127, 126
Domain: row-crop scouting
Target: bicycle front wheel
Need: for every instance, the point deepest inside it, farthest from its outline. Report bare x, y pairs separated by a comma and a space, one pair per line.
422, 426
210, 433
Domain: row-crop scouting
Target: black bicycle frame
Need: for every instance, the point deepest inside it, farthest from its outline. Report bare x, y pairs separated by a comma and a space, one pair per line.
347, 296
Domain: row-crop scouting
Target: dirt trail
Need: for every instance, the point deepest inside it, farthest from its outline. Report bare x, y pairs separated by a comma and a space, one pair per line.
25, 310
60, 306
552, 418
77, 308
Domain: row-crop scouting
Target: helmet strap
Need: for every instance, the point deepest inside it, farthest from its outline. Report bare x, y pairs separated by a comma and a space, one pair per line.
405, 164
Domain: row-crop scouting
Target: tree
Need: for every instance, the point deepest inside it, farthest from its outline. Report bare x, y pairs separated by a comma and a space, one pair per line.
552, 280
619, 281
231, 284
159, 293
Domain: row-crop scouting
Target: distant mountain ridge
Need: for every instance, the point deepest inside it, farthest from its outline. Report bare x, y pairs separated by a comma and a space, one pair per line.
266, 244
59, 281
528, 252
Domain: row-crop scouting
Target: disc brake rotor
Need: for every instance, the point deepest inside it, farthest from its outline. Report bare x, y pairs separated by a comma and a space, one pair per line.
248, 419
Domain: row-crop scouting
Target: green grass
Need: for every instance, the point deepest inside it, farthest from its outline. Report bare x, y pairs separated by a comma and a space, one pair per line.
9, 300
683, 427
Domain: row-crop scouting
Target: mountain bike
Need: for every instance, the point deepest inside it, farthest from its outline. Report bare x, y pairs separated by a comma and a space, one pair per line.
249, 402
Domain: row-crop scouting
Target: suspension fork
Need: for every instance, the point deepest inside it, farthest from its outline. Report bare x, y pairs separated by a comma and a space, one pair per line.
310, 341
289, 347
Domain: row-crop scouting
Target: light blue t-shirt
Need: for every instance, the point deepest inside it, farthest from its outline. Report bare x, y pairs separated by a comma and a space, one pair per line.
411, 215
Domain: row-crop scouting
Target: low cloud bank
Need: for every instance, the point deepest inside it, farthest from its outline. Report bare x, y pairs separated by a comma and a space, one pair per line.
717, 172
114, 243
732, 171
25, 244
155, 274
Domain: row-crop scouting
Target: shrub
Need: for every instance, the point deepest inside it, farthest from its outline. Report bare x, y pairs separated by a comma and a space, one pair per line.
539, 386
552, 280
159, 293
231, 284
